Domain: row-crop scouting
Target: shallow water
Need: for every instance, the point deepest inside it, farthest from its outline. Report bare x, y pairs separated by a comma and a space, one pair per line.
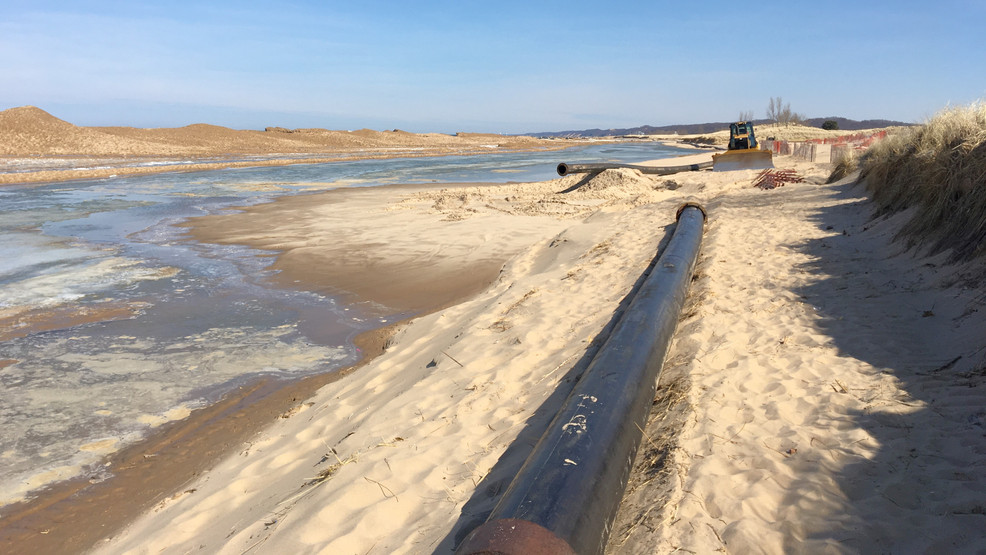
173, 324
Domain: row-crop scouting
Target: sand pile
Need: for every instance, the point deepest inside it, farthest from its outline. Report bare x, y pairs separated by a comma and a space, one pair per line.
615, 183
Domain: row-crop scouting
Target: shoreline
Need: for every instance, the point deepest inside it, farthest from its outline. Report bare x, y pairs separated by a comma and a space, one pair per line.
86, 512
352, 283
39, 177
176, 453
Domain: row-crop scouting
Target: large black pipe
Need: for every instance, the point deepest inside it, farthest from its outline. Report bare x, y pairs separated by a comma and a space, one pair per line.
564, 498
565, 169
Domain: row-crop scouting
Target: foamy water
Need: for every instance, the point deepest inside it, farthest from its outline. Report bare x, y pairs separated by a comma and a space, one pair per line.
198, 319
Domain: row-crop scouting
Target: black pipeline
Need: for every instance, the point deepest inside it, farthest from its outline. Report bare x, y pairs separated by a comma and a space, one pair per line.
565, 169
565, 497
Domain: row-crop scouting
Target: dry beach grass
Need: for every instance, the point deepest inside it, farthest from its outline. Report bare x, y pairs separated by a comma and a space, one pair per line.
935, 172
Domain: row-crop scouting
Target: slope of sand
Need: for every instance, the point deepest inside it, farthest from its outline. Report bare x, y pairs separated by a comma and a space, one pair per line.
822, 393
29, 136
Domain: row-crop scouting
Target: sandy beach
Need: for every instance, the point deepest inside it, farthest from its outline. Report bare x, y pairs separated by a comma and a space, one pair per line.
822, 393
441, 411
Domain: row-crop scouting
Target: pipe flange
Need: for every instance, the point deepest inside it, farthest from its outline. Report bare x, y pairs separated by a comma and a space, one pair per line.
692, 204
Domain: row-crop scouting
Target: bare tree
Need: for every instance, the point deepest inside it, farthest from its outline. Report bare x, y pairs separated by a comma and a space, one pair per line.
746, 115
779, 112
775, 108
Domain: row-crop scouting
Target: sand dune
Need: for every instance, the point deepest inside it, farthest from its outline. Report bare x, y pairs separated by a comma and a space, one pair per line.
30, 131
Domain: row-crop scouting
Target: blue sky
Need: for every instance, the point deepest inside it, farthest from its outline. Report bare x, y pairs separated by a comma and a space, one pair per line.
497, 66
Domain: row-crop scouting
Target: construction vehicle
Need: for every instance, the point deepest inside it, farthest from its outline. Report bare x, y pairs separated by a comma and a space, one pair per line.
743, 152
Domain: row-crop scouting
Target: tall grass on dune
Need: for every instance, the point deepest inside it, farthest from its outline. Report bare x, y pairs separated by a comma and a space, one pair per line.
845, 165
939, 171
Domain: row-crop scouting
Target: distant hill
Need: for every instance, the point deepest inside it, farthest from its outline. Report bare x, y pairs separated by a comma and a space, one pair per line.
30, 131
853, 125
845, 124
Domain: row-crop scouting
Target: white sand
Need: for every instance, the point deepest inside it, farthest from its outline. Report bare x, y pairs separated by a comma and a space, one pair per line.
815, 418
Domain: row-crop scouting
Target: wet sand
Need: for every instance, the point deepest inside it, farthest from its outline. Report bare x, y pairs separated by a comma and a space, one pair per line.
369, 261
72, 516
24, 323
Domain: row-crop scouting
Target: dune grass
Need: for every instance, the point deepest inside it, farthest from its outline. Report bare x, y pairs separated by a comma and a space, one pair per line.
938, 171
844, 166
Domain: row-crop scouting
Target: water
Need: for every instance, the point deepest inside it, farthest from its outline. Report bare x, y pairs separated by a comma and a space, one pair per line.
144, 325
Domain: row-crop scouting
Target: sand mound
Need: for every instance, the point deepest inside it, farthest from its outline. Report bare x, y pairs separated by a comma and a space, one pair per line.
570, 197
32, 119
30, 131
616, 183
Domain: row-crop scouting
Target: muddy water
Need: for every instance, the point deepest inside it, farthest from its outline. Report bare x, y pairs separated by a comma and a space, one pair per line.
112, 323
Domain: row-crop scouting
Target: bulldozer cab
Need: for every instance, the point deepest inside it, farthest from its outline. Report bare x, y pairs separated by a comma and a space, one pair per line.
741, 136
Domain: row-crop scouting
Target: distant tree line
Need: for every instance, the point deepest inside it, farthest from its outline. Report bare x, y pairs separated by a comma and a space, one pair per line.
829, 122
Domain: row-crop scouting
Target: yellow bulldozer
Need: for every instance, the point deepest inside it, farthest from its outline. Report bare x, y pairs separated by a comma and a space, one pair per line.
743, 152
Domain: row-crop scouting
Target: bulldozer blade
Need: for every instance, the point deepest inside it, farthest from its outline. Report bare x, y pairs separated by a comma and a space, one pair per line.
751, 159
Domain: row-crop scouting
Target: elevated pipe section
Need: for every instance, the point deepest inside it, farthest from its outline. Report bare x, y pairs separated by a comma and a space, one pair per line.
565, 168
564, 498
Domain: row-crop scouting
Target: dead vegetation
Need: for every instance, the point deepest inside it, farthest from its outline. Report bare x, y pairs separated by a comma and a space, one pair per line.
645, 507
938, 171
